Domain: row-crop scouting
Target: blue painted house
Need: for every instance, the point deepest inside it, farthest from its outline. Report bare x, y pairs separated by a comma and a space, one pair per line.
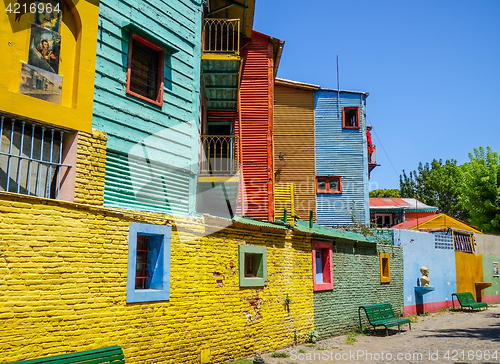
341, 158
147, 101
435, 252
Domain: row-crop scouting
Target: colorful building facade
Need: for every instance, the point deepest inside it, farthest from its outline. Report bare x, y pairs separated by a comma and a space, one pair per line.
341, 158
387, 212
147, 101
293, 137
45, 107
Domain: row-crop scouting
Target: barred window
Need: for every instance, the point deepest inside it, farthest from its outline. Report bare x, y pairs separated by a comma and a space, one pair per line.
31, 158
463, 243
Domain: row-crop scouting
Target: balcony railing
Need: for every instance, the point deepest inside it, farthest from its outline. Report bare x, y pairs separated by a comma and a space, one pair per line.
221, 36
220, 154
373, 159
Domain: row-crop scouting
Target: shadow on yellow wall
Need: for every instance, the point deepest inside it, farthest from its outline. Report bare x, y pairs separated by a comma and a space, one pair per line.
469, 271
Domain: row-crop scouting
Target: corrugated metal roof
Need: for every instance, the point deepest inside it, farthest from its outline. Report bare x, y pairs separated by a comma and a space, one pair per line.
290, 83
352, 92
377, 203
435, 222
412, 223
254, 222
303, 226
332, 233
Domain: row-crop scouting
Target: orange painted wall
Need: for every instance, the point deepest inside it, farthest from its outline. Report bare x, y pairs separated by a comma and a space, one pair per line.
421, 214
469, 270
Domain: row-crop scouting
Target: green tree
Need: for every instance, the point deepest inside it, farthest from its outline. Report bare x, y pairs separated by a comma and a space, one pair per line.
480, 190
394, 192
435, 184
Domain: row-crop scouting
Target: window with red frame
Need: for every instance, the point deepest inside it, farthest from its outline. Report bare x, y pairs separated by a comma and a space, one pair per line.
322, 266
328, 184
145, 70
350, 117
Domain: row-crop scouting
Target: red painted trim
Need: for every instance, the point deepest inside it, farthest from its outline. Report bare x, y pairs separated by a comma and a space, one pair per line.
429, 307
161, 69
328, 184
270, 148
343, 118
490, 299
327, 265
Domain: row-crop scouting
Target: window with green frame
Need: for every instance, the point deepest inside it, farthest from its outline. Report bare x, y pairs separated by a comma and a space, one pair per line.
252, 265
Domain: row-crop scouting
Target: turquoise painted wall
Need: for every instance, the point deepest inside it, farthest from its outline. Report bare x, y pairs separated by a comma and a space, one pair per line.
341, 152
152, 153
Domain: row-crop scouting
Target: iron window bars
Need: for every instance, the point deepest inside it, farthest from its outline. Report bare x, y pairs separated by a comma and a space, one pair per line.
30, 158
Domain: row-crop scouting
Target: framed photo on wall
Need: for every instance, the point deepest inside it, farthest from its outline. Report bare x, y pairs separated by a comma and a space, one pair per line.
495, 269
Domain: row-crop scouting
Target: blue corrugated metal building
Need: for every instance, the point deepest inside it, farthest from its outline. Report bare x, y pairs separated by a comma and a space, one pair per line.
147, 100
341, 158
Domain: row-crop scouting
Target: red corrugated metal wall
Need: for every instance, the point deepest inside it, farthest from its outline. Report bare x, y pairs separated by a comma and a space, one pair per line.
256, 111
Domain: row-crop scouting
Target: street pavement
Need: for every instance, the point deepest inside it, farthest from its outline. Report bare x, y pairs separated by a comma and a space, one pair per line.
444, 337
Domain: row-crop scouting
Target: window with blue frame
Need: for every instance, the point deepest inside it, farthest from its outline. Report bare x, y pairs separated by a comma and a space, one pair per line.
149, 263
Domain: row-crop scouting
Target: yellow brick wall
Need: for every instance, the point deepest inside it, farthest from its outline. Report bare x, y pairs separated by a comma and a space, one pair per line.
90, 168
63, 275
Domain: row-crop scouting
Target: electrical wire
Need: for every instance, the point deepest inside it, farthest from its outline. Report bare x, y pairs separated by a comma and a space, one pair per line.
382, 145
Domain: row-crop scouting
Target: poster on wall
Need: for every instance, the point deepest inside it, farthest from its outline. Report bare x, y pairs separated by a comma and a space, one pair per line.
39, 83
45, 46
495, 269
48, 14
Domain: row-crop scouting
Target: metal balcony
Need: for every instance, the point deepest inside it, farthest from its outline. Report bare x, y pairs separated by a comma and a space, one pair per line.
372, 161
221, 36
220, 155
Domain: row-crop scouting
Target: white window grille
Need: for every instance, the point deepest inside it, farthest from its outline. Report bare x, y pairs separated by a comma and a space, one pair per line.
31, 158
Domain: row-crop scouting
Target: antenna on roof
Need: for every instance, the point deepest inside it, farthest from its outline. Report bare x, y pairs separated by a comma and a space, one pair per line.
338, 87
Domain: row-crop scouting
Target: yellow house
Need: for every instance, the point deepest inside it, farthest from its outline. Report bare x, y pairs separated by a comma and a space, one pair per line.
48, 61
436, 222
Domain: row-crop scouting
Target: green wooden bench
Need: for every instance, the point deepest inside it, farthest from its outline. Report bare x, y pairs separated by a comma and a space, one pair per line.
382, 314
466, 299
113, 354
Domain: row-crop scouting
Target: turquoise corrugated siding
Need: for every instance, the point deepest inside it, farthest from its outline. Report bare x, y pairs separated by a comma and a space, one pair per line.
152, 151
341, 152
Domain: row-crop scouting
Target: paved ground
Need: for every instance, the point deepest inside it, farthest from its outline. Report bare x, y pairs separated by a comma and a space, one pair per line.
450, 337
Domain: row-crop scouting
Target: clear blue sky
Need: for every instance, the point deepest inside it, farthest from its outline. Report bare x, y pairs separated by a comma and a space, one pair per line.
432, 69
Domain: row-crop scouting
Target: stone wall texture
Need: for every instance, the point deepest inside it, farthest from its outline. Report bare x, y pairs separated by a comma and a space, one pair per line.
63, 277
356, 282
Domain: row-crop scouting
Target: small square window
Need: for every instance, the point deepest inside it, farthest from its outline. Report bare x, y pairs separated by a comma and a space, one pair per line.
385, 268
148, 263
322, 266
350, 117
253, 265
146, 62
329, 184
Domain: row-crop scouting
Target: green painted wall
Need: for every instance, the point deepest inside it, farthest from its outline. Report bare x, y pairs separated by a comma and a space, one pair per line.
488, 260
152, 151
356, 282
